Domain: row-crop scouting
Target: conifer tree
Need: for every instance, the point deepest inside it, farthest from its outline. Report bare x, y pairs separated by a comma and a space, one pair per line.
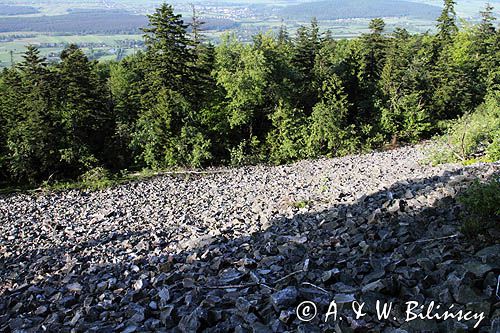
3, 128
285, 140
85, 115
447, 23
169, 53
31, 138
487, 47
243, 72
404, 115
486, 27
372, 54
126, 81
329, 132
172, 94
196, 25
184, 102
283, 36
375, 44
306, 47
158, 128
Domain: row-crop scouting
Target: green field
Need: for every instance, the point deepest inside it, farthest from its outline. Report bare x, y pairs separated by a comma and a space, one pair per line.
107, 43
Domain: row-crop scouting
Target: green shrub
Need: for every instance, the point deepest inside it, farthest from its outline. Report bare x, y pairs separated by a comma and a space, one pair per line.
301, 204
481, 203
474, 136
247, 152
286, 139
493, 150
97, 178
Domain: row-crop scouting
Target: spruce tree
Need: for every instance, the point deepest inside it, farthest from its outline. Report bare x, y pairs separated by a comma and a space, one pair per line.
31, 138
285, 141
169, 53
85, 115
487, 47
196, 25
486, 27
371, 55
175, 88
283, 36
306, 47
446, 23
403, 81
158, 128
329, 133
3, 128
126, 86
375, 44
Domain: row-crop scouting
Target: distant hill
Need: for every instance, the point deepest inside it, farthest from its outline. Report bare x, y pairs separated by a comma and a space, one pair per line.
343, 9
17, 10
93, 22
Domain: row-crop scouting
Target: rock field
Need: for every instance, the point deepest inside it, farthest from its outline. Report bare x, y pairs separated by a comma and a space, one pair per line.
237, 250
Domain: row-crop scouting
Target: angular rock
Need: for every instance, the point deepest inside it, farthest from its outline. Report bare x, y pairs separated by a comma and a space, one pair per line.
284, 298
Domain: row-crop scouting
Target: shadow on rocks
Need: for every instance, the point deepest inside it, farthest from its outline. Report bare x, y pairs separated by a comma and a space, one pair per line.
396, 245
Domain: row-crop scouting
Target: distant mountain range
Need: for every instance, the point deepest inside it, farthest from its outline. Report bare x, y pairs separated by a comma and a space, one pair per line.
343, 9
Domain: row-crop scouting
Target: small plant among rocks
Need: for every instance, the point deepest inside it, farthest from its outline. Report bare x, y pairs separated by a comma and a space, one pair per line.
301, 204
482, 208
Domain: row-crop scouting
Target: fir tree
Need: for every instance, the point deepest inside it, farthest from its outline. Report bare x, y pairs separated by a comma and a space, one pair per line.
84, 112
329, 132
196, 25
169, 53
404, 116
31, 138
446, 23
486, 27
306, 47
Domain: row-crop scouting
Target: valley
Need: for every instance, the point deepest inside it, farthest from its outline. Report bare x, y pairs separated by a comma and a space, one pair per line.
114, 26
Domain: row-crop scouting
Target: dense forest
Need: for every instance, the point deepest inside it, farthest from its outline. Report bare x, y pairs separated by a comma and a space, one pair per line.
347, 9
186, 103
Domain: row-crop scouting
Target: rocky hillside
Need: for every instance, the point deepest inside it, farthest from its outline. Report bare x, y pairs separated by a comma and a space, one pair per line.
239, 249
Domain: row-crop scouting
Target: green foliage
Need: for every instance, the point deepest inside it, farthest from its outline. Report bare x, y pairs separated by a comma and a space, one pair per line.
242, 71
446, 22
457, 87
169, 55
304, 51
84, 116
193, 147
406, 119
157, 128
472, 135
404, 115
482, 211
286, 138
29, 151
97, 178
301, 204
168, 132
186, 103
125, 87
3, 129
248, 151
330, 134
493, 149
